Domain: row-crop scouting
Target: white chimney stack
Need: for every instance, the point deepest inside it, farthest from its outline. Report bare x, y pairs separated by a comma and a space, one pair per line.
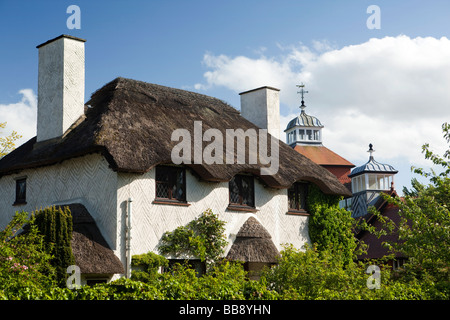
262, 107
60, 85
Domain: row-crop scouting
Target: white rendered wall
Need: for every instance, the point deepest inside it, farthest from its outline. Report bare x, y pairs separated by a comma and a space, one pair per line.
87, 180
150, 221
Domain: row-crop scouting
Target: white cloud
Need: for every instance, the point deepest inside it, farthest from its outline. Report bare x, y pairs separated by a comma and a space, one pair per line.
20, 116
393, 92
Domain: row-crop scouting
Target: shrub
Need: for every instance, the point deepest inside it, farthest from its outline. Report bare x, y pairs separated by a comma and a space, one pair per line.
203, 237
25, 271
148, 265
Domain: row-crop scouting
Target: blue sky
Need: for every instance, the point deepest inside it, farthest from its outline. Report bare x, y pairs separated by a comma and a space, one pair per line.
384, 86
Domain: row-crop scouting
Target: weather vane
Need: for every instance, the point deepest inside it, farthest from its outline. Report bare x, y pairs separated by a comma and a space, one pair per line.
302, 92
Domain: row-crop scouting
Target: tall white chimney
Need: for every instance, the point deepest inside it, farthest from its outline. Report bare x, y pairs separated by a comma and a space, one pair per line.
262, 107
60, 85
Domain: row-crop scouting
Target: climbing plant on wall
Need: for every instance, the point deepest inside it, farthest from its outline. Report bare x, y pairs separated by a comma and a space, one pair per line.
330, 227
203, 237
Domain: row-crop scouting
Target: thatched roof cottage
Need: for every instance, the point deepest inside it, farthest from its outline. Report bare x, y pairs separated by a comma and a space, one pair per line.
111, 159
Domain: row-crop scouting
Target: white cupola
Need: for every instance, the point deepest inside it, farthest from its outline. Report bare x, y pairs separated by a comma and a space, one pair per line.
372, 175
368, 181
304, 129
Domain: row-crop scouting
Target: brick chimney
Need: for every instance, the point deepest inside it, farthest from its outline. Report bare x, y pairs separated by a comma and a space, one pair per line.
60, 85
262, 107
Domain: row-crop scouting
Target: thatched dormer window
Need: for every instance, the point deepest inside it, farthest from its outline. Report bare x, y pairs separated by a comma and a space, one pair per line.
242, 193
297, 198
170, 184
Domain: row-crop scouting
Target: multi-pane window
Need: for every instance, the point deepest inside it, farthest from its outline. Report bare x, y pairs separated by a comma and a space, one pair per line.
171, 183
302, 134
242, 191
297, 196
21, 191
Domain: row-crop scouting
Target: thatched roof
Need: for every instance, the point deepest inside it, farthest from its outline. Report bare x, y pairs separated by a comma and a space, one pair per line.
92, 253
131, 122
253, 244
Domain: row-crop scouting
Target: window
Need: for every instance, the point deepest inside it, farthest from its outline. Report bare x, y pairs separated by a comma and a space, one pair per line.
317, 135
297, 197
21, 191
309, 134
170, 184
292, 136
242, 191
92, 282
302, 134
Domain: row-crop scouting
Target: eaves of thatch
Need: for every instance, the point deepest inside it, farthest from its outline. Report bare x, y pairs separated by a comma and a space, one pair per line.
131, 122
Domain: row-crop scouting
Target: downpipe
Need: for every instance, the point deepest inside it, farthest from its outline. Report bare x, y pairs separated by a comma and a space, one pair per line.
128, 238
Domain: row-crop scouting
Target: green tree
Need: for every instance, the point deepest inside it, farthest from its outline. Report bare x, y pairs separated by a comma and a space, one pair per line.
424, 228
55, 224
7, 143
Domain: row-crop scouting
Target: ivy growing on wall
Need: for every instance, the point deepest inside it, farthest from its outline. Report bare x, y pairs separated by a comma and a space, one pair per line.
55, 224
330, 227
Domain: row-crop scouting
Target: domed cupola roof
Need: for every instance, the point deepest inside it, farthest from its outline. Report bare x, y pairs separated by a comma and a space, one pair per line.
372, 166
304, 120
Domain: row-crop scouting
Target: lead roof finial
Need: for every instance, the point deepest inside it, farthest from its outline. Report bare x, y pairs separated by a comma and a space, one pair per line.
302, 92
371, 151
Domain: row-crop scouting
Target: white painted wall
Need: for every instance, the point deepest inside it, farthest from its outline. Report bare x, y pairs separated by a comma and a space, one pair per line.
150, 221
87, 180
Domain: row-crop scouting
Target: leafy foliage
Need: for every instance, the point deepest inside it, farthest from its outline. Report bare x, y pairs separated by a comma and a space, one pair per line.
424, 228
7, 143
25, 271
147, 265
330, 227
312, 275
203, 237
55, 224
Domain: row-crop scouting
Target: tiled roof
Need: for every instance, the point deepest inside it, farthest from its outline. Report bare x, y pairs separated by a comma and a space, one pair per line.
322, 155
